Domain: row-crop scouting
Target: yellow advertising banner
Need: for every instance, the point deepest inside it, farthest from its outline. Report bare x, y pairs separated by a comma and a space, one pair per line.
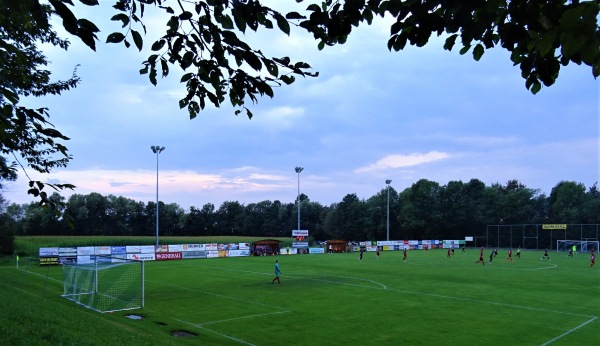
555, 226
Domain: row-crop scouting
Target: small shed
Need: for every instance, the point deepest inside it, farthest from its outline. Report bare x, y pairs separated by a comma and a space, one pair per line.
332, 246
266, 247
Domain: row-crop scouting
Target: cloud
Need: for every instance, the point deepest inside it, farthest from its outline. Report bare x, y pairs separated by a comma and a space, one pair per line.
398, 161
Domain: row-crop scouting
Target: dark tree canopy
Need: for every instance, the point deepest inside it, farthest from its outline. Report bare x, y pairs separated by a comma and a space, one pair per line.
204, 39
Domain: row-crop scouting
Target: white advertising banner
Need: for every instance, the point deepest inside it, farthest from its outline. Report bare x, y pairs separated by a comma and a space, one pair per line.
87, 259
212, 247
48, 251
118, 258
147, 249
162, 248
212, 254
85, 251
102, 250
300, 233
67, 251
193, 247
133, 249
175, 248
141, 256
238, 253
244, 246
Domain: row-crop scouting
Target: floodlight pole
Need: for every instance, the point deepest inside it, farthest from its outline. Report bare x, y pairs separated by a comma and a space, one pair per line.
298, 170
157, 150
387, 182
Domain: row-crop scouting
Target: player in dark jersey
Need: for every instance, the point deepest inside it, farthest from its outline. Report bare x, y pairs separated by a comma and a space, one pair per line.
492, 256
519, 252
546, 255
404, 251
362, 251
448, 253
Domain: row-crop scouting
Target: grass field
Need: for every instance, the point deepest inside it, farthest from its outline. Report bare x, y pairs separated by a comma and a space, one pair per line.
323, 300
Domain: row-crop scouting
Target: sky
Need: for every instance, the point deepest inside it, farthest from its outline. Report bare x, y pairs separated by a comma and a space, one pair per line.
371, 115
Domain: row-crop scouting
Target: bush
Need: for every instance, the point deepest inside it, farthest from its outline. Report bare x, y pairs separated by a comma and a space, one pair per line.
7, 235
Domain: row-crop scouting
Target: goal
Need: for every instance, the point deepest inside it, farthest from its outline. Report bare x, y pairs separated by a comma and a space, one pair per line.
581, 245
104, 285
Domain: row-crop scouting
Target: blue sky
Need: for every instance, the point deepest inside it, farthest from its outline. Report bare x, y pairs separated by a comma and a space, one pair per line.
371, 115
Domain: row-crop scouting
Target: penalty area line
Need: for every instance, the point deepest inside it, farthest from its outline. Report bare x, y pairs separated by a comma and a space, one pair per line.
569, 331
213, 331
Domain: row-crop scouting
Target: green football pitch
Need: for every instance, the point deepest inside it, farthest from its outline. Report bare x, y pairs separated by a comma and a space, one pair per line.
327, 299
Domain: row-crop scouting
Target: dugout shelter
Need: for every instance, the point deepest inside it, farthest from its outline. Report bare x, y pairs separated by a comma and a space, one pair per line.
336, 245
266, 247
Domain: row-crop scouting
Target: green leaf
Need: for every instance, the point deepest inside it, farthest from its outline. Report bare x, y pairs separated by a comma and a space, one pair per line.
282, 23
137, 39
87, 25
173, 24
89, 2
536, 87
252, 60
464, 50
187, 60
294, 15
115, 37
271, 67
186, 77
158, 45
478, 52
287, 79
152, 76
450, 41
226, 22
239, 22
165, 67
186, 15
321, 45
121, 17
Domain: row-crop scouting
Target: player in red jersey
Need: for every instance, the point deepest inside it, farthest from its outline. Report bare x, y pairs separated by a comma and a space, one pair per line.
404, 259
592, 259
481, 256
509, 258
448, 253
378, 252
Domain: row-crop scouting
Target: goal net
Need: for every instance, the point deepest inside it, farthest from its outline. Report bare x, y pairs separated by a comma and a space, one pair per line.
580, 245
105, 286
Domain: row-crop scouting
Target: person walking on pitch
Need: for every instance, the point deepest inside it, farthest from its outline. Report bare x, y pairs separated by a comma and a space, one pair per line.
277, 272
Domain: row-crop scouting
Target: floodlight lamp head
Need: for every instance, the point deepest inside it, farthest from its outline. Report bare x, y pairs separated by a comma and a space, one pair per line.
157, 149
299, 169
388, 181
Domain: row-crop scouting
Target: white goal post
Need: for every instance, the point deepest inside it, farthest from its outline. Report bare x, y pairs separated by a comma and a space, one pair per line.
581, 245
107, 285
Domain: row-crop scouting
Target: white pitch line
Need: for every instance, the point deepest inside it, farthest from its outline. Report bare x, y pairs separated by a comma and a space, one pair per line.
213, 331
244, 317
569, 331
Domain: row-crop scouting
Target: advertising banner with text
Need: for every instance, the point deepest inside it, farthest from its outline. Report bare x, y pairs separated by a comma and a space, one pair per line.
168, 256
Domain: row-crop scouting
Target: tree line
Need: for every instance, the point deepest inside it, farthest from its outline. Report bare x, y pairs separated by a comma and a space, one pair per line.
425, 210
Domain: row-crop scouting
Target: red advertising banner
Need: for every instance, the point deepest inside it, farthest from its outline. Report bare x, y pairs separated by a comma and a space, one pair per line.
166, 256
